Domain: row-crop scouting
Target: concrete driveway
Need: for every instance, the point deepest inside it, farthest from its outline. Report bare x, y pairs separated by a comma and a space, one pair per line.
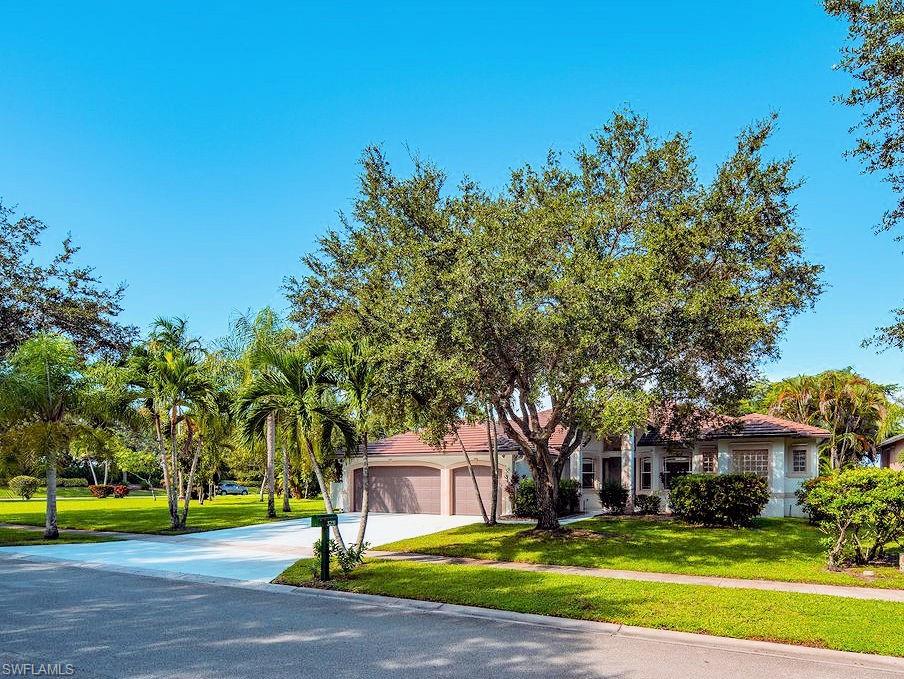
257, 553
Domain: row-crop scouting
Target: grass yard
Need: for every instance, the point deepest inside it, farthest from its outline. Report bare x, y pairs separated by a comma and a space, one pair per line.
143, 514
27, 536
806, 619
776, 549
7, 494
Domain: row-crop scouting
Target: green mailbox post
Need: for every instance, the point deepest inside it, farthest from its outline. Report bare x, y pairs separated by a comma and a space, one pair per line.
324, 521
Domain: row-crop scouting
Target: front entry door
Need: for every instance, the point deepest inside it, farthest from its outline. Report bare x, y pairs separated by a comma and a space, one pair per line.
612, 469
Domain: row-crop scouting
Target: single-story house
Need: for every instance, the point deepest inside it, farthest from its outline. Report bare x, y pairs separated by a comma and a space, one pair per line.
890, 452
409, 475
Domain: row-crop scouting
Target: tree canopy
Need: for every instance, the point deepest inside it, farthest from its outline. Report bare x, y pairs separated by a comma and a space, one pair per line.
597, 285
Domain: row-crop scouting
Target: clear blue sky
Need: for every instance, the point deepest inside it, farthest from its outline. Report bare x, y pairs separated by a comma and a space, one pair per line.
197, 152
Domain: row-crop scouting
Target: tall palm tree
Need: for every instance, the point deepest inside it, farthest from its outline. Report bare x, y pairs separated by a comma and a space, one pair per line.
296, 386
41, 391
356, 366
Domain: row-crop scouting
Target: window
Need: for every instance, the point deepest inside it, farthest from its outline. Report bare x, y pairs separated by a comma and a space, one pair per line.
751, 462
709, 463
646, 473
799, 461
588, 473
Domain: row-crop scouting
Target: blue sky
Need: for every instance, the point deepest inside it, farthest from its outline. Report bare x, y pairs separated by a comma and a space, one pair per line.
196, 152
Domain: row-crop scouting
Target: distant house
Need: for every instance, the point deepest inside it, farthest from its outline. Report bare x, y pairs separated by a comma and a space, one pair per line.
410, 476
890, 452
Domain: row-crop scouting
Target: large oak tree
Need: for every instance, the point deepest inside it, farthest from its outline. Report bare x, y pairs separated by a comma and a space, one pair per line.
594, 286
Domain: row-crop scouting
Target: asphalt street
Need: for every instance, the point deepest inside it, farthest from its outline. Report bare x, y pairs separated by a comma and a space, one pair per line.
106, 624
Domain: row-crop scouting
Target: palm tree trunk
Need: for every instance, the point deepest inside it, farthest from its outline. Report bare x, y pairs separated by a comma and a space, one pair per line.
483, 511
106, 471
51, 532
191, 475
493, 447
365, 494
271, 463
327, 500
285, 479
93, 474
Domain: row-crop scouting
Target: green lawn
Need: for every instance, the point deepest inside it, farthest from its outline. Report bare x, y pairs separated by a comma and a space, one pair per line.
143, 514
776, 549
7, 494
812, 620
28, 536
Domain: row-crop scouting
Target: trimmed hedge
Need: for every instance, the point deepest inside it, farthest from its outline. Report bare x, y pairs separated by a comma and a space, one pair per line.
647, 504
719, 500
101, 491
72, 483
524, 498
24, 486
614, 497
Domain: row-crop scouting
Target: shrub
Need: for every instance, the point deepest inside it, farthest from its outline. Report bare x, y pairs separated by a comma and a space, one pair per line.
569, 498
803, 500
525, 502
69, 482
24, 486
120, 490
613, 497
722, 500
861, 510
647, 504
101, 490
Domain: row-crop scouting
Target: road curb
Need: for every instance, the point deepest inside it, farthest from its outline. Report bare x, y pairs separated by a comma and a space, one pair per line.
890, 664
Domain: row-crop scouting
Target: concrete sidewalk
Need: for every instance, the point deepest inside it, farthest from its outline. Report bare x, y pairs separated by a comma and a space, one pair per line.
872, 593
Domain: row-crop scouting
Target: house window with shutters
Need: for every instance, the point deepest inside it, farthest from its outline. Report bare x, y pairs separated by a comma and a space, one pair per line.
753, 461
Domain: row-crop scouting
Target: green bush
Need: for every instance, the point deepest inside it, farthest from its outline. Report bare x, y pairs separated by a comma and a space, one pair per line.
569, 498
860, 511
718, 500
523, 496
803, 500
24, 486
72, 482
647, 504
613, 497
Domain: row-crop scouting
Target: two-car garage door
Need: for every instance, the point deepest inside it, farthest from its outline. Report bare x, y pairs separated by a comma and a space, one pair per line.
415, 489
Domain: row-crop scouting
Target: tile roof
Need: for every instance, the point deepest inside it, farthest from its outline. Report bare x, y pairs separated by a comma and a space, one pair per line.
473, 436
747, 426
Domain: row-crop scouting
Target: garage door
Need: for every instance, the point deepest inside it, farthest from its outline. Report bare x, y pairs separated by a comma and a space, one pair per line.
464, 499
409, 490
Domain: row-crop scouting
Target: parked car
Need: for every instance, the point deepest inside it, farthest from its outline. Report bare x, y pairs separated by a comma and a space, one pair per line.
231, 488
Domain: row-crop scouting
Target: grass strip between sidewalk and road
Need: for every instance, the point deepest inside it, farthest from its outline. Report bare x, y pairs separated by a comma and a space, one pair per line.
789, 550
14, 537
804, 619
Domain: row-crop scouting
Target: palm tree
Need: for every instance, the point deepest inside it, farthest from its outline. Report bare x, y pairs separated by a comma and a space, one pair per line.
356, 367
296, 386
858, 413
41, 392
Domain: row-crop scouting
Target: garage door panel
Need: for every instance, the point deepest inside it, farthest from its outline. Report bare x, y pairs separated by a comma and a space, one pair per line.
464, 499
401, 489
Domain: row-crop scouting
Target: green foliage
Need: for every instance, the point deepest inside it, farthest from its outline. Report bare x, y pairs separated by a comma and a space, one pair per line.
614, 497
719, 500
525, 499
24, 486
347, 559
523, 496
601, 282
568, 499
647, 504
857, 412
79, 482
860, 511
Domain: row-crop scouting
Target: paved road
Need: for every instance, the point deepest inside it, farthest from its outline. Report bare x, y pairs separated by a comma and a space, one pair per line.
115, 625
259, 552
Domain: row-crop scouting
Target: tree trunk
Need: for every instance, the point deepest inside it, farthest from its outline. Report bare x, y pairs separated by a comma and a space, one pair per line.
325, 492
106, 471
263, 485
191, 476
493, 447
547, 487
483, 511
51, 532
93, 473
175, 478
285, 479
271, 463
365, 493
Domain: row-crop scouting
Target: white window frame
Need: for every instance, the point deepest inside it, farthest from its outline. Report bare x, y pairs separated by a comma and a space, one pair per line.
640, 463
709, 453
806, 454
735, 467
592, 462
